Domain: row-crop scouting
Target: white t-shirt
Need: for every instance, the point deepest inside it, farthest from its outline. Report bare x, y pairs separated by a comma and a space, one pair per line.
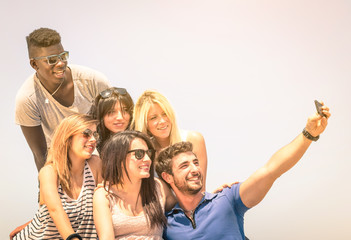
35, 106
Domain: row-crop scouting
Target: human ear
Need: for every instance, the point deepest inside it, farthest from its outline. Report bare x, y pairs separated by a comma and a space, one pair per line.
167, 177
33, 64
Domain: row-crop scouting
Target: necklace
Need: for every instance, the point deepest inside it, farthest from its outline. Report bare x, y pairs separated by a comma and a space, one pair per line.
52, 94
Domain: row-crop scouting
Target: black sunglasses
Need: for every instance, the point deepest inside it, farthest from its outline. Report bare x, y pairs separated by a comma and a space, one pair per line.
88, 133
140, 153
53, 59
108, 92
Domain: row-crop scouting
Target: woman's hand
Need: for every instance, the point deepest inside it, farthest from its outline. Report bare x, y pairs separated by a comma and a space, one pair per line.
226, 185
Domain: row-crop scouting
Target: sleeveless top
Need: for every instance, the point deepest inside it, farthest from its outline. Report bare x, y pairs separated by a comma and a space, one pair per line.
79, 212
133, 227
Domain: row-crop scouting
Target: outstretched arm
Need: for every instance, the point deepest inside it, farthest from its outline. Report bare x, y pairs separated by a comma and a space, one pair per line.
254, 189
36, 140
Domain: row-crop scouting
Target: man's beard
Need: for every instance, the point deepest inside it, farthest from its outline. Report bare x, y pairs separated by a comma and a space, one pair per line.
187, 188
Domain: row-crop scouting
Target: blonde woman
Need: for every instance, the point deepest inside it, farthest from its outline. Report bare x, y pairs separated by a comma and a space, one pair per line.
67, 183
154, 115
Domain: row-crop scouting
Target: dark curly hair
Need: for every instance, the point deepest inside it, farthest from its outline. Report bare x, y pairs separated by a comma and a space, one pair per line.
42, 37
164, 159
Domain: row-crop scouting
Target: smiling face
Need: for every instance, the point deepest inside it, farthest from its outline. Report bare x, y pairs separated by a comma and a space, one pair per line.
158, 122
117, 119
138, 168
187, 177
45, 72
82, 146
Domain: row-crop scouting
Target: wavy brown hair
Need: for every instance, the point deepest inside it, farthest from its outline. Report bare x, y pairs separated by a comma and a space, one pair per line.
61, 144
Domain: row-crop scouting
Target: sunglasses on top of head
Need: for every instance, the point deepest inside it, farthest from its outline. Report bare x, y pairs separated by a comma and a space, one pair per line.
53, 59
140, 153
88, 133
108, 92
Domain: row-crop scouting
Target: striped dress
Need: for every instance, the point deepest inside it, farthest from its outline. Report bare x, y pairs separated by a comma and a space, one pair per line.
80, 213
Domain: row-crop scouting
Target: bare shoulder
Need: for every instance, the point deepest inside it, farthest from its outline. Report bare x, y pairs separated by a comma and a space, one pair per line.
95, 166
47, 172
100, 196
194, 137
100, 190
94, 162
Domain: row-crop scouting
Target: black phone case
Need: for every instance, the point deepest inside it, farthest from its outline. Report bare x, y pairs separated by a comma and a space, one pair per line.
319, 108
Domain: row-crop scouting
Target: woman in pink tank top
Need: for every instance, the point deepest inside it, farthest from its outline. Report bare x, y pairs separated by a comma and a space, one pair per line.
130, 203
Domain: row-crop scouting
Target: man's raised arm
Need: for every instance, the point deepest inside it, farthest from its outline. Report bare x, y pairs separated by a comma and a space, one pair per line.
254, 189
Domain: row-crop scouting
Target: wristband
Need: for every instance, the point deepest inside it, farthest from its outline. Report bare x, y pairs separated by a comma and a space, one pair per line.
309, 136
74, 235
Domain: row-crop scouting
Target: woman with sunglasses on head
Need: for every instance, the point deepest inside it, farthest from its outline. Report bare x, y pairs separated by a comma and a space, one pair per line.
113, 108
154, 115
130, 204
67, 183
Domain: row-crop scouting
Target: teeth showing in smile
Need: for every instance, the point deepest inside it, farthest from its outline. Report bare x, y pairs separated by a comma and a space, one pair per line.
90, 147
145, 167
195, 178
162, 128
59, 72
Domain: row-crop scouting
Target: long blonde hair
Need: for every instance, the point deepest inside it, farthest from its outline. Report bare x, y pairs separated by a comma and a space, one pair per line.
141, 110
61, 144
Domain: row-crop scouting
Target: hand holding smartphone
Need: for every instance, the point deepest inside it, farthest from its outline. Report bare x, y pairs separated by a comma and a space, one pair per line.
319, 108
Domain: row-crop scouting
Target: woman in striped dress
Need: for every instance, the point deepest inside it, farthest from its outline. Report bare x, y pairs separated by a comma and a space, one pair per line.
67, 183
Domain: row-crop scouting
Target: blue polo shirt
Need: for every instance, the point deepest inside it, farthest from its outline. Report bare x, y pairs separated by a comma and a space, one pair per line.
218, 216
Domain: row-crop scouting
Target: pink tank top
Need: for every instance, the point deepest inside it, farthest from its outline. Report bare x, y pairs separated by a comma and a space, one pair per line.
133, 227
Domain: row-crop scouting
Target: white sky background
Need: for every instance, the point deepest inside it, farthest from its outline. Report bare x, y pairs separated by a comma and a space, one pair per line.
243, 73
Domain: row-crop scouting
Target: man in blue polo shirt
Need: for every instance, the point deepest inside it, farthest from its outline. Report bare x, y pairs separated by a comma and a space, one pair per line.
202, 215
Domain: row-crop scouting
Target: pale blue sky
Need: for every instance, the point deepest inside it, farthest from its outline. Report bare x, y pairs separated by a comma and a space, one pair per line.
243, 73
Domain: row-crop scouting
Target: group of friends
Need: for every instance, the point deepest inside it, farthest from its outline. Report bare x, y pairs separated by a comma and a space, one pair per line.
112, 169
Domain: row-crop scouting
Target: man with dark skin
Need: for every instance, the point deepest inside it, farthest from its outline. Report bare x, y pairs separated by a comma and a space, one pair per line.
53, 92
202, 215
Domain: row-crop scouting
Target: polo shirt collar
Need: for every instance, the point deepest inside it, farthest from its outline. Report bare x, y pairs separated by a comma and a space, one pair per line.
207, 197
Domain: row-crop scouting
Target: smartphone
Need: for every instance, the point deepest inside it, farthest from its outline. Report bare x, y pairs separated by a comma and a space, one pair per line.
319, 108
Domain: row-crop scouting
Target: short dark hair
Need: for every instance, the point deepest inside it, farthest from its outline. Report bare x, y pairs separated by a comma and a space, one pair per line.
42, 37
113, 156
164, 159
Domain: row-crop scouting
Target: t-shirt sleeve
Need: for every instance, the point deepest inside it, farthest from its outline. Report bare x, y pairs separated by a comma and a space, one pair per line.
238, 205
100, 82
95, 81
26, 113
